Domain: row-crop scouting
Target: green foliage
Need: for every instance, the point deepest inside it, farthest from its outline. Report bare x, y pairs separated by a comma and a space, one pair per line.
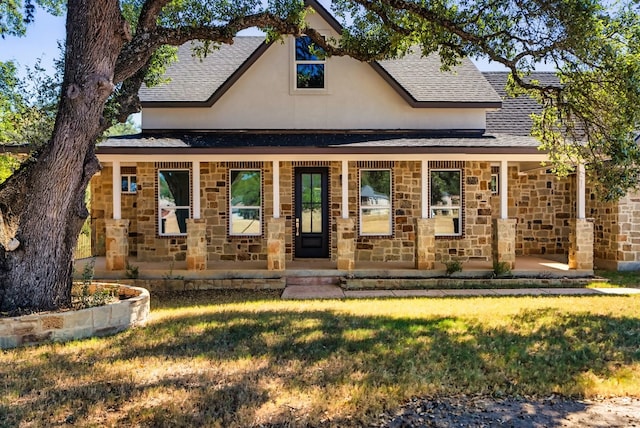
126, 128
8, 164
453, 266
132, 271
28, 105
501, 268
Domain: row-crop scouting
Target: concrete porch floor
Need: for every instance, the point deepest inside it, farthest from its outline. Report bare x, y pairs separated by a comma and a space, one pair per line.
526, 267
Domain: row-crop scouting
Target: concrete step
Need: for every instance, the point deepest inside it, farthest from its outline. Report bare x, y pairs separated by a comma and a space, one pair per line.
313, 280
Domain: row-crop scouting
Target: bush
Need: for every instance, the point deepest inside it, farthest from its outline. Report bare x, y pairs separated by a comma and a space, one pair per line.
501, 268
453, 266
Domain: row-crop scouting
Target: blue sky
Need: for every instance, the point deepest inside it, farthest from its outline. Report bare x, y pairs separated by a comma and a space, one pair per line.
40, 42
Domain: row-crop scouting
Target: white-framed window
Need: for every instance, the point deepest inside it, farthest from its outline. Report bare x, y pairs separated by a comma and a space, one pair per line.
245, 202
309, 66
446, 201
129, 184
494, 184
375, 202
174, 201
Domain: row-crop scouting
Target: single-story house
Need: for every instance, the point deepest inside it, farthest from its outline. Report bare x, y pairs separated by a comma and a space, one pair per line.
266, 152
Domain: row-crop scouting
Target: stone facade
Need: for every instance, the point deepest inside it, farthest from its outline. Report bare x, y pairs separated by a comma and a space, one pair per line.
504, 241
543, 206
276, 244
581, 249
425, 243
616, 231
102, 208
346, 243
117, 244
196, 244
400, 246
475, 244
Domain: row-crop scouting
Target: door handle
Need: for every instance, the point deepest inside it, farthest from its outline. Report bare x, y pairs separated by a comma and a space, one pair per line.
297, 227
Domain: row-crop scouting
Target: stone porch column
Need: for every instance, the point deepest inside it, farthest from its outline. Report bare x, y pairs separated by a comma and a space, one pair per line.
117, 243
503, 245
196, 244
581, 244
276, 244
425, 243
346, 244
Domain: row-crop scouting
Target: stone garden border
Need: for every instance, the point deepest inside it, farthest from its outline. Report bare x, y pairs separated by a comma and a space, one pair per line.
131, 311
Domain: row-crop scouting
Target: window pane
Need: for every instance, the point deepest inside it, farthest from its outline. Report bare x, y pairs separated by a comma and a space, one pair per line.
173, 220
376, 221
245, 221
245, 188
133, 187
375, 202
303, 52
174, 188
125, 183
310, 76
245, 199
375, 187
311, 203
445, 201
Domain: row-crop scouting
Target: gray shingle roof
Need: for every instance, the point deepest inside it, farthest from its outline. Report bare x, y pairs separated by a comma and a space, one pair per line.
193, 79
417, 77
422, 78
325, 140
514, 117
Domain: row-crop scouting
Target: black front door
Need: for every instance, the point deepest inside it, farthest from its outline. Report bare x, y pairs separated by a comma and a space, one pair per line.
311, 224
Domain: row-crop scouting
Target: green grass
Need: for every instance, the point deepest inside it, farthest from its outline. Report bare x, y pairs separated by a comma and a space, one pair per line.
621, 279
239, 359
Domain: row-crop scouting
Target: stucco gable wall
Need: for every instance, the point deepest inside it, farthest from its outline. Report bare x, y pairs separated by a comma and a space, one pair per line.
264, 98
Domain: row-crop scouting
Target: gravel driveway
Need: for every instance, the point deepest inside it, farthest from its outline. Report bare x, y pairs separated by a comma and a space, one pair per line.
521, 413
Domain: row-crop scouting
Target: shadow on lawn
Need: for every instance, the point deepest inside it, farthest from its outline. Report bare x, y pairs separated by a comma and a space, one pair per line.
320, 358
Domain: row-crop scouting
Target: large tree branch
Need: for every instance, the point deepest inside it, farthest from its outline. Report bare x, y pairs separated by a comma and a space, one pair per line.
149, 15
136, 53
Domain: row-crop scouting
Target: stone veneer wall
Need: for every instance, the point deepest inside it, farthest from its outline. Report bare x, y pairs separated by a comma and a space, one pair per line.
476, 240
475, 243
406, 206
407, 184
214, 185
543, 206
616, 231
102, 208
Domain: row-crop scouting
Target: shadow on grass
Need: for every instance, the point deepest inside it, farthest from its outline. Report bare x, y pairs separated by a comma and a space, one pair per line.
234, 367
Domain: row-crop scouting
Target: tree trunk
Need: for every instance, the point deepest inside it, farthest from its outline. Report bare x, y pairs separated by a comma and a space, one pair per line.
42, 206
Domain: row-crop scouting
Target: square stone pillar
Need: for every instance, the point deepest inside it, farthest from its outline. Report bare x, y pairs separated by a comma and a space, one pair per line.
425, 243
276, 244
117, 243
503, 245
346, 244
581, 244
196, 244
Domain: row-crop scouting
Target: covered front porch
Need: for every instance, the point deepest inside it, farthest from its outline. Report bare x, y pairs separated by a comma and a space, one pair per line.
356, 201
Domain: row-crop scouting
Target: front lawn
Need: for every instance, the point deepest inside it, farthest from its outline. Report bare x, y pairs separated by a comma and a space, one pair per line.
240, 359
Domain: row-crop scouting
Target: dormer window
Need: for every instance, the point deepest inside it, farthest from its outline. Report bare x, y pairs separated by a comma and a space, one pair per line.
309, 65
